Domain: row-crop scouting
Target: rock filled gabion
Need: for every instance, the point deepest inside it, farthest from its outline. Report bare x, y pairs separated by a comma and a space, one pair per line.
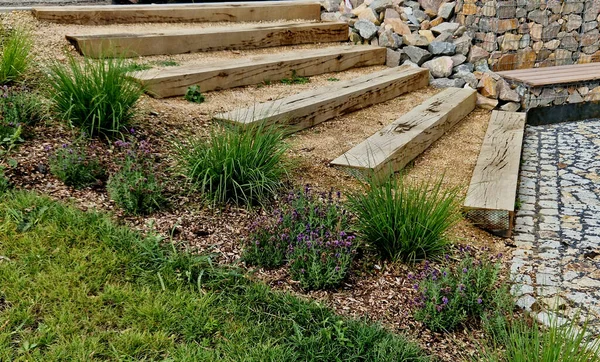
520, 34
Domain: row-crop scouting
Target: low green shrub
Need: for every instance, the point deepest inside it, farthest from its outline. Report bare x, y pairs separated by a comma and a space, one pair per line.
310, 232
295, 79
16, 57
244, 167
405, 221
136, 186
194, 95
76, 165
94, 95
450, 297
19, 106
4, 182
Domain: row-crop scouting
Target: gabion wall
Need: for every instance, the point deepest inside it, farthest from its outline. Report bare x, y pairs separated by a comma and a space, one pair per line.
523, 34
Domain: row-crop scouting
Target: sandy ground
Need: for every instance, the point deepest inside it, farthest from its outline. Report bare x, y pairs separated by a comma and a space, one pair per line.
382, 294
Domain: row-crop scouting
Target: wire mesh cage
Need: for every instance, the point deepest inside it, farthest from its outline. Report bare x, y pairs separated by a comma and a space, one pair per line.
522, 34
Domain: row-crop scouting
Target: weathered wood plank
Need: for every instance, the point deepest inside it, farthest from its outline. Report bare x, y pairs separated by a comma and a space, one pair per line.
490, 201
313, 107
208, 39
554, 75
182, 13
236, 73
392, 148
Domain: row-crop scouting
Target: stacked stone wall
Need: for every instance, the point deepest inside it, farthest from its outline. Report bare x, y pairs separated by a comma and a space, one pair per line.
522, 34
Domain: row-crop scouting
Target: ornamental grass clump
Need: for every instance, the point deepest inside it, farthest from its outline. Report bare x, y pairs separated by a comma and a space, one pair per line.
136, 186
310, 232
405, 221
451, 296
76, 165
94, 95
16, 57
235, 165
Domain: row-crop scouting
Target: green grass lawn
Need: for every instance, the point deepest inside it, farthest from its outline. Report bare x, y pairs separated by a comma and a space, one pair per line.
76, 287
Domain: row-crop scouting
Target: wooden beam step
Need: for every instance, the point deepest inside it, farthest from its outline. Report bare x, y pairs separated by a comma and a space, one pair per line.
490, 201
175, 81
392, 148
315, 106
207, 39
182, 13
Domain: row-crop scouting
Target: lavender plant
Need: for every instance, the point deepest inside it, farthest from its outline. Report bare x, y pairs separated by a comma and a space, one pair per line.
309, 231
135, 187
75, 164
449, 297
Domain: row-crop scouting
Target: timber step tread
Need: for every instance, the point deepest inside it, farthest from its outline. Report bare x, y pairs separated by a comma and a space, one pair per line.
174, 81
561, 74
312, 107
490, 201
207, 39
207, 12
392, 148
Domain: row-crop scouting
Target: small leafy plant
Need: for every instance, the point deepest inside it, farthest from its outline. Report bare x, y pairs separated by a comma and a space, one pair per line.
15, 59
449, 297
235, 165
332, 79
405, 221
309, 231
76, 165
94, 95
19, 106
295, 79
194, 95
135, 187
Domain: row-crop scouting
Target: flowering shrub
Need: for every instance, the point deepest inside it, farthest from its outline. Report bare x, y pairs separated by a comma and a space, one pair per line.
136, 187
310, 231
447, 298
74, 165
20, 106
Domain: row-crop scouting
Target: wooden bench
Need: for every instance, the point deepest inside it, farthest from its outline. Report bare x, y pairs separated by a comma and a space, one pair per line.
180, 13
392, 148
175, 81
312, 107
207, 39
562, 74
490, 201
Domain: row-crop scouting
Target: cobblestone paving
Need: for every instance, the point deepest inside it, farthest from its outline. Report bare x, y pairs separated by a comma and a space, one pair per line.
556, 263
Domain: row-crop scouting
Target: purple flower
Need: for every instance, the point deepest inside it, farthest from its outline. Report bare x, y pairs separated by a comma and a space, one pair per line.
479, 301
465, 270
445, 300
439, 308
132, 130
461, 287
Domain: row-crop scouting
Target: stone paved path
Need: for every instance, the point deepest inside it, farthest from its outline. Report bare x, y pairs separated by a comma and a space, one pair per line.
557, 232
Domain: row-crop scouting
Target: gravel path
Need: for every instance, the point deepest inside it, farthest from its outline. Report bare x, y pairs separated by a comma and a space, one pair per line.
557, 260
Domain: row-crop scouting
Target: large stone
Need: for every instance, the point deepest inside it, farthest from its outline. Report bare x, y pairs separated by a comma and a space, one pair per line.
486, 103
446, 10
380, 5
370, 15
387, 39
525, 59
439, 67
447, 83
505, 93
467, 68
552, 44
398, 25
504, 25
441, 48
487, 86
575, 98
330, 5
458, 59
590, 38
510, 107
463, 44
539, 16
468, 77
431, 5
417, 55
427, 34
366, 29
477, 53
449, 27
574, 22
416, 40
551, 31
391, 14
510, 42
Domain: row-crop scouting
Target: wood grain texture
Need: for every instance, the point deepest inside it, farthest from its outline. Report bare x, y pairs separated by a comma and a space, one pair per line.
392, 148
182, 13
494, 182
554, 75
207, 39
175, 81
315, 106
